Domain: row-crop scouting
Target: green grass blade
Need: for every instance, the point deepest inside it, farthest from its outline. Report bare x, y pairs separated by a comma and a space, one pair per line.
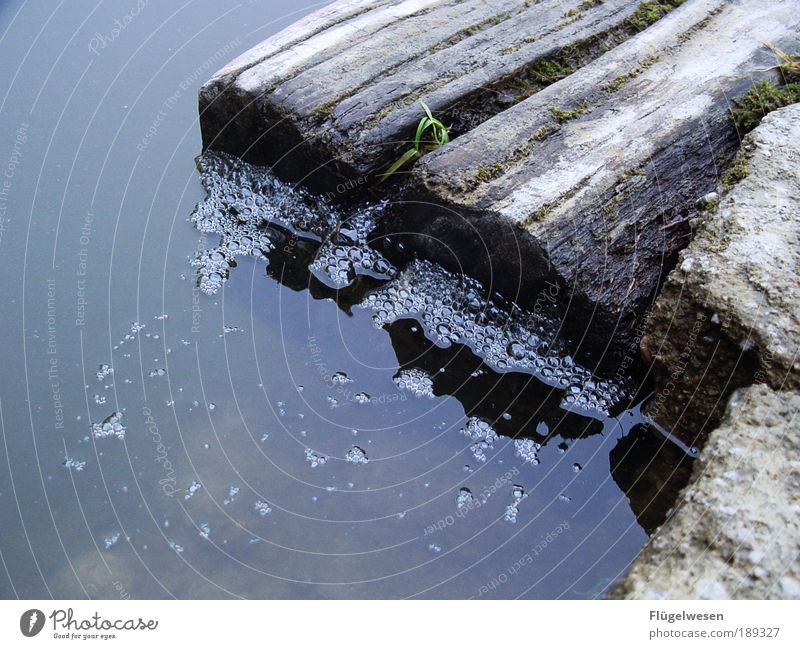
439, 134
424, 123
406, 157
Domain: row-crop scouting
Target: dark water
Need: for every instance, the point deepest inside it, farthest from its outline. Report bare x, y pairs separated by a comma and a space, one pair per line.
262, 437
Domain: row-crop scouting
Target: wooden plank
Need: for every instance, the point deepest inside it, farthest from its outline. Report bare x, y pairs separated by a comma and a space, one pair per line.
600, 172
588, 180
340, 103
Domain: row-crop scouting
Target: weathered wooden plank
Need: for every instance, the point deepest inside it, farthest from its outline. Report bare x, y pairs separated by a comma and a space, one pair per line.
450, 74
336, 20
290, 65
346, 97
580, 144
599, 172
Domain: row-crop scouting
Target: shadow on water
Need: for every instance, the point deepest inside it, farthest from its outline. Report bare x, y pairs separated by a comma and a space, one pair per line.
443, 341
651, 471
352, 422
648, 468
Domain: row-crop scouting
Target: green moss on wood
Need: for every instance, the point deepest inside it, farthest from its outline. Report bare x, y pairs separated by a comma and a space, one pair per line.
573, 15
539, 214
326, 110
610, 208
544, 72
762, 98
736, 171
651, 11
549, 71
490, 22
648, 61
488, 173
562, 115
631, 173
618, 82
542, 133
569, 17
687, 35
524, 150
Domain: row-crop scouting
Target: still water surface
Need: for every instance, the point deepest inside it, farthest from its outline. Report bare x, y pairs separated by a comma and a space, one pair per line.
266, 439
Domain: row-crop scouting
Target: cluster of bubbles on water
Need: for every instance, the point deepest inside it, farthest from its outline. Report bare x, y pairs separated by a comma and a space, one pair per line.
262, 507
73, 464
103, 371
253, 211
192, 489
527, 450
512, 510
356, 455
240, 202
482, 436
416, 381
315, 459
232, 493
464, 499
111, 426
453, 309
346, 254
111, 541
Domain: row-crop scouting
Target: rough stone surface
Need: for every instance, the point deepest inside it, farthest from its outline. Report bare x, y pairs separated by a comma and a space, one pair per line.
735, 532
729, 314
